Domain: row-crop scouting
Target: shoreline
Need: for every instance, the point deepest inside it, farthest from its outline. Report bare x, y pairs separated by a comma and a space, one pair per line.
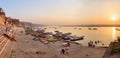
26, 47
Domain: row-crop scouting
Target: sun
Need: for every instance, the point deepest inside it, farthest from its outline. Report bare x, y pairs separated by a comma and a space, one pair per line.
114, 18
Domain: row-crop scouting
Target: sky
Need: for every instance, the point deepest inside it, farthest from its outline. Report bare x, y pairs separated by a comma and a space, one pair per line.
63, 12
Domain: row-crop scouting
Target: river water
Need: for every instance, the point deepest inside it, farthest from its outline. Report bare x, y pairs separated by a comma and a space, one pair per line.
104, 34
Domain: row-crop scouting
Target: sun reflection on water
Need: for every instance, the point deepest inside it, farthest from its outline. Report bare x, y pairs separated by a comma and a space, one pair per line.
113, 33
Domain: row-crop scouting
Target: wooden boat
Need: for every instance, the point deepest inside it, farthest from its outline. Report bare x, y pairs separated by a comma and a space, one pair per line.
48, 33
117, 29
73, 38
58, 34
80, 29
89, 28
67, 36
94, 28
76, 38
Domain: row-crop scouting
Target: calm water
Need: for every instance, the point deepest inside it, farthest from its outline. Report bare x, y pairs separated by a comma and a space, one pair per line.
104, 34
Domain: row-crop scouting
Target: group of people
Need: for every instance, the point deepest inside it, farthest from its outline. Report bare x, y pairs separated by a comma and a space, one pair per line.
94, 43
65, 48
10, 29
91, 44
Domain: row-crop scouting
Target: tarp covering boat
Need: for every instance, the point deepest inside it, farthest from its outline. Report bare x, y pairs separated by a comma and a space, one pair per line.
36, 39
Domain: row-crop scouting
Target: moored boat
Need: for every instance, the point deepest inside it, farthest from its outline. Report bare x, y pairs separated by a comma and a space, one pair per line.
68, 36
76, 38
94, 28
117, 29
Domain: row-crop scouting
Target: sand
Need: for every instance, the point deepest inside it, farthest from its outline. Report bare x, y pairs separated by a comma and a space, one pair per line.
25, 47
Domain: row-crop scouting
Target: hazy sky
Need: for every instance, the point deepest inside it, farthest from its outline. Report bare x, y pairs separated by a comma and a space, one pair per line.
63, 11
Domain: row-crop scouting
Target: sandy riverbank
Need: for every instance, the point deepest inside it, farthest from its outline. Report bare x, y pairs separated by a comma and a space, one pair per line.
25, 47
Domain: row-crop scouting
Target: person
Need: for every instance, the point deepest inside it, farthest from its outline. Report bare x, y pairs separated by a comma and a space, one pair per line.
96, 42
103, 44
66, 50
6, 29
62, 51
68, 44
91, 44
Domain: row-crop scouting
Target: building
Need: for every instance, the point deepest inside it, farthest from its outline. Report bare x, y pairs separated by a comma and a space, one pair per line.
27, 25
14, 22
2, 17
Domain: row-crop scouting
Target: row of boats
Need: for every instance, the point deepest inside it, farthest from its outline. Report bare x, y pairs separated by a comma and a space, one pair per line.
88, 28
67, 36
92, 28
64, 36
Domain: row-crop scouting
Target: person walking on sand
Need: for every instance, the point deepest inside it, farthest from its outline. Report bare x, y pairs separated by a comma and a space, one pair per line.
66, 50
68, 44
62, 51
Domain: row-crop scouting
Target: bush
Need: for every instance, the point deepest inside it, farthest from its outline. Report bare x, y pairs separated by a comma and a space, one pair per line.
29, 31
118, 39
115, 49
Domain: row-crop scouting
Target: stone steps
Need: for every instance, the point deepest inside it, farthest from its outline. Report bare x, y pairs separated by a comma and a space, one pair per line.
5, 46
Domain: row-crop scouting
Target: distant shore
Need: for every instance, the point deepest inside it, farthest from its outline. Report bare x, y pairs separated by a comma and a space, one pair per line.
90, 25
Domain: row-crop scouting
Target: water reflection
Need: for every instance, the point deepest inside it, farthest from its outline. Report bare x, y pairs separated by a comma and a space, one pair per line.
113, 33
104, 34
